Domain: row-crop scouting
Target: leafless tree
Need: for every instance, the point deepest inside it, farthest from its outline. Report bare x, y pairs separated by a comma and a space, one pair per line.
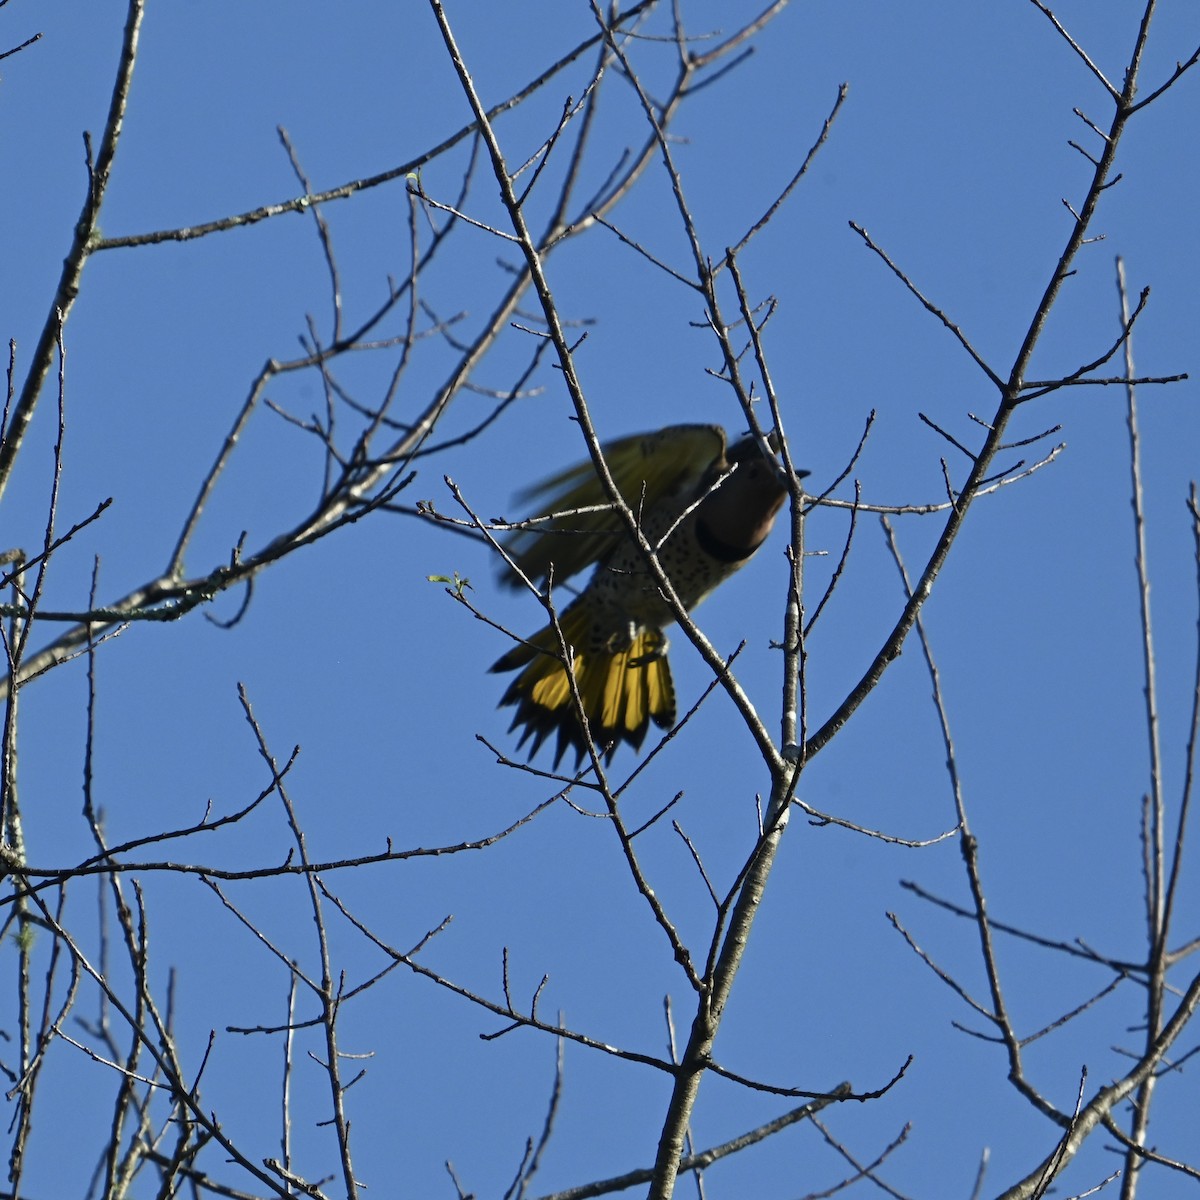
93, 986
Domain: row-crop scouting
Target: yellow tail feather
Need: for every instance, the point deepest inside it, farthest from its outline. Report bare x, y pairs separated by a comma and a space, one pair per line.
621, 689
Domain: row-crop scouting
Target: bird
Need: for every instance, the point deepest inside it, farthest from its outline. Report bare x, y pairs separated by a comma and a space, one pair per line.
704, 507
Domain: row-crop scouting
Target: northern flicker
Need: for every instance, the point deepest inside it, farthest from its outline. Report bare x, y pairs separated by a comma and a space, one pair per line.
705, 509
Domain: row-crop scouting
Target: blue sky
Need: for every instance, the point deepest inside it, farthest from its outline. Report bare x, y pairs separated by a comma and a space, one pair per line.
951, 150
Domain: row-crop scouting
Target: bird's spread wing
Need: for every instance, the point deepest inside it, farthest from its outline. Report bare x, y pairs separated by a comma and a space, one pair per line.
582, 528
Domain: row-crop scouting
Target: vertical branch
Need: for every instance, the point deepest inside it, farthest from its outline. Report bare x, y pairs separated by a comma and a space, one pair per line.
1154, 884
120, 1168
1193, 742
1154, 857
794, 722
12, 838
285, 1092
11, 841
50, 1023
330, 991
14, 847
10, 823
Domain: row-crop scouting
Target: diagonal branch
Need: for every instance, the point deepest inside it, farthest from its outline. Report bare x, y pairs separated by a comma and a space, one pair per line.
81, 247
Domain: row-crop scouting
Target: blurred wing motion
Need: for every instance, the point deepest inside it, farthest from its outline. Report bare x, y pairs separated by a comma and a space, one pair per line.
706, 511
582, 528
